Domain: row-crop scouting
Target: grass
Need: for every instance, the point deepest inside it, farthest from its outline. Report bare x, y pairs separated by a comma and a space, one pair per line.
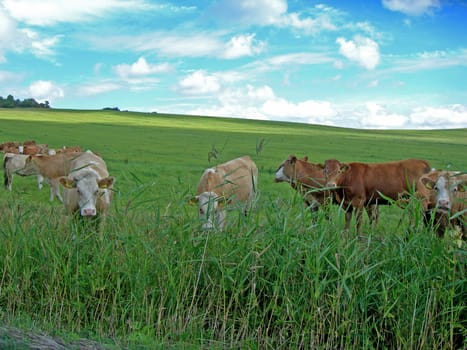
279, 278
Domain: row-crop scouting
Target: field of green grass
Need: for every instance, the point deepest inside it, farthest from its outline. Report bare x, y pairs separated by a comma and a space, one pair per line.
279, 278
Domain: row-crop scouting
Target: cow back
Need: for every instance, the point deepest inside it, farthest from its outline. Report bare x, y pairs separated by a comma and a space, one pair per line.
377, 181
235, 179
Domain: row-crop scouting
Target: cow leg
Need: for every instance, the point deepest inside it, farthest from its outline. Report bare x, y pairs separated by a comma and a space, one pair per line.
8, 180
359, 219
348, 217
55, 190
358, 205
373, 215
40, 181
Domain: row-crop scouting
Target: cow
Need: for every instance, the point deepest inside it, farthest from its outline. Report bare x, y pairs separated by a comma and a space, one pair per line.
69, 149
51, 167
309, 179
87, 187
234, 183
34, 149
358, 185
445, 194
305, 177
12, 163
10, 147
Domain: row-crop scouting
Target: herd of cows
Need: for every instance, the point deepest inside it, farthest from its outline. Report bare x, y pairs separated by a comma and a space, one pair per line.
83, 176
86, 187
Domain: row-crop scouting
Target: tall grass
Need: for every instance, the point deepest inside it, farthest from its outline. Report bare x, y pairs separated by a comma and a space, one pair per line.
279, 278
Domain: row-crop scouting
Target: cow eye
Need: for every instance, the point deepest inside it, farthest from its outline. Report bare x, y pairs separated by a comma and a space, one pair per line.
201, 211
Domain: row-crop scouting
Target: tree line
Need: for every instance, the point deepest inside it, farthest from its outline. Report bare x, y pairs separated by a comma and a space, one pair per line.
11, 102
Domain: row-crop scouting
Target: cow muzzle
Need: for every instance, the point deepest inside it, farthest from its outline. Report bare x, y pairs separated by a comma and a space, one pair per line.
88, 212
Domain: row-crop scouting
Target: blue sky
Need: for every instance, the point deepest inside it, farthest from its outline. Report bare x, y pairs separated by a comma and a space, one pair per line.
381, 64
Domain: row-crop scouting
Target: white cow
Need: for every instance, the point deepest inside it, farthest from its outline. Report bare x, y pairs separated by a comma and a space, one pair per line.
88, 186
233, 182
12, 163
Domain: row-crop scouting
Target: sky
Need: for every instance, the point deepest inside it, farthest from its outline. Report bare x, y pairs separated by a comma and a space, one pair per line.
372, 64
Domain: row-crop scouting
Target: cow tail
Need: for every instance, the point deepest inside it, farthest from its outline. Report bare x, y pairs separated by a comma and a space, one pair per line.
5, 176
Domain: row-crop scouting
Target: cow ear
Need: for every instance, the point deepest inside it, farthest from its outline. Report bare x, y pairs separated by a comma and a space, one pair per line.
428, 183
344, 167
66, 182
462, 186
106, 183
292, 159
305, 159
193, 200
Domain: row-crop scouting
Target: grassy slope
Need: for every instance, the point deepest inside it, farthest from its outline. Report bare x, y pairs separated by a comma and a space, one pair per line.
153, 276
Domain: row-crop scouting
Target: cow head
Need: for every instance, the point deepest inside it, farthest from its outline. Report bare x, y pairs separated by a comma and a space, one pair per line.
88, 190
211, 210
445, 185
333, 169
287, 171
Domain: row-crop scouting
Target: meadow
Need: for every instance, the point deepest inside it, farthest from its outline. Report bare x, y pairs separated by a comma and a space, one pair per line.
280, 278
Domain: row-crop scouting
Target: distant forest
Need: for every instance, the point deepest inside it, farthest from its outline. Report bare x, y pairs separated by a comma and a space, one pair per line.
11, 102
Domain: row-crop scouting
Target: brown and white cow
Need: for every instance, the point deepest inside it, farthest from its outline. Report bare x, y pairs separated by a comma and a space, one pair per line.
233, 183
305, 177
51, 167
359, 185
445, 194
12, 163
88, 186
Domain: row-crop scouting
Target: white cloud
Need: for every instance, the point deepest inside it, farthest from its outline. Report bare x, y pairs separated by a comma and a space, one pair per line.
362, 50
274, 13
309, 111
199, 83
428, 61
43, 90
193, 44
243, 45
452, 116
376, 116
50, 12
260, 12
141, 68
41, 47
262, 103
98, 88
307, 25
412, 7
16, 39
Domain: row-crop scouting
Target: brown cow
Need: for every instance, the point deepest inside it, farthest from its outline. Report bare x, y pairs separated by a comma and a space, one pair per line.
10, 147
309, 179
51, 167
69, 149
32, 149
445, 194
305, 177
361, 184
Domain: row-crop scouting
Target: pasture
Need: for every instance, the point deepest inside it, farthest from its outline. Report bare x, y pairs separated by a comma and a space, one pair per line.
279, 278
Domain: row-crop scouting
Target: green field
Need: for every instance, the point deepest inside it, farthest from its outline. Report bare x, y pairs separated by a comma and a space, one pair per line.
280, 278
